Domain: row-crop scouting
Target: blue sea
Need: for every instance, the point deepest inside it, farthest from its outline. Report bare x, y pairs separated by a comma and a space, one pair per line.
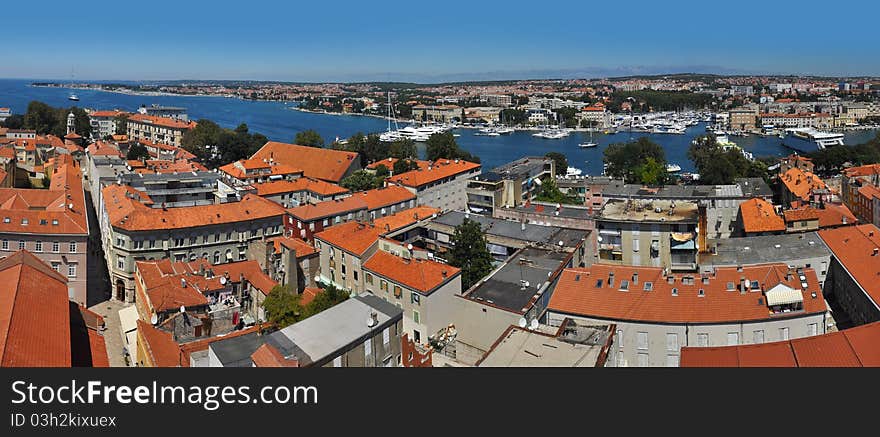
279, 122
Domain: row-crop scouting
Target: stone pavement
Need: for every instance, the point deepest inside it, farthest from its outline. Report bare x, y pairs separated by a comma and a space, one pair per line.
113, 338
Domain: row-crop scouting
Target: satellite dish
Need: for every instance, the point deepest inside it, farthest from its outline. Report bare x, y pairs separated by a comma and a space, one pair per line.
534, 324
561, 243
522, 322
182, 309
317, 279
154, 319
409, 246
222, 280
370, 322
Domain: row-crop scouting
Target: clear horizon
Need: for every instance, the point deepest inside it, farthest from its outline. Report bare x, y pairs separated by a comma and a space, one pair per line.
462, 41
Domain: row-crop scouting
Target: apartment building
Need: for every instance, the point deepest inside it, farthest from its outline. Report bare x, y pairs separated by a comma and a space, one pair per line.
508, 185
443, 184
423, 288
852, 279
51, 224
658, 233
134, 228
803, 187
860, 191
437, 113
300, 191
104, 123
254, 171
658, 313
158, 129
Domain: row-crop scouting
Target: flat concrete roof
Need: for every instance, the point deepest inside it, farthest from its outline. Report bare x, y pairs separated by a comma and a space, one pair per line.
499, 227
765, 249
649, 211
741, 188
504, 289
519, 347
332, 330
237, 351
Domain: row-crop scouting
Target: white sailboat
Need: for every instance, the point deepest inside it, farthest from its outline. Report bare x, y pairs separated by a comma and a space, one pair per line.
589, 144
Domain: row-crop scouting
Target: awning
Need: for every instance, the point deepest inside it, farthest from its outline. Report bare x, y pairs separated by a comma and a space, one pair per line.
687, 245
682, 236
128, 317
782, 294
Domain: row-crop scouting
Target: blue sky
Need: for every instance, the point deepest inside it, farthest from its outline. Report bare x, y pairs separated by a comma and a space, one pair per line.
433, 40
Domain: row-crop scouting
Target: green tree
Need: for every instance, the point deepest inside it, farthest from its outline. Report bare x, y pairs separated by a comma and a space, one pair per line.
309, 138
14, 121
40, 117
443, 145
513, 117
404, 148
359, 181
382, 171
404, 165
550, 192
137, 151
121, 124
719, 165
560, 160
282, 306
205, 134
470, 253
328, 298
628, 160
651, 172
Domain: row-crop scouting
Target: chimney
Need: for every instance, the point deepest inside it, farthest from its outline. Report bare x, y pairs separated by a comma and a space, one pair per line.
443, 273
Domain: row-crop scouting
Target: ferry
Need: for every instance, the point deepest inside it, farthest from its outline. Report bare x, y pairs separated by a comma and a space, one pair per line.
811, 140
673, 168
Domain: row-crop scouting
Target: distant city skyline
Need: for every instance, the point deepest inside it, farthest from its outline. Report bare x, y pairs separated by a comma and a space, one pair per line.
399, 41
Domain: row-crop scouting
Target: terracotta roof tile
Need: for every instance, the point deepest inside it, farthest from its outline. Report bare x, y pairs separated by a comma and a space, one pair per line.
800, 183
577, 293
131, 214
326, 164
385, 196
328, 208
267, 356
316, 186
353, 237
162, 121
404, 218
309, 294
163, 350
417, 274
58, 210
34, 314
758, 215
439, 170
855, 248
302, 248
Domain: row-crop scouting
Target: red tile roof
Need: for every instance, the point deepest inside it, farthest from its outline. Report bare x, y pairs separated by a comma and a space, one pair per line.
302, 248
404, 218
167, 122
577, 293
353, 237
131, 214
239, 169
328, 208
103, 148
830, 216
417, 274
854, 247
855, 347
758, 215
106, 114
439, 170
800, 183
34, 314
864, 170
801, 214
267, 356
58, 210
309, 294
159, 345
316, 186
385, 196
326, 164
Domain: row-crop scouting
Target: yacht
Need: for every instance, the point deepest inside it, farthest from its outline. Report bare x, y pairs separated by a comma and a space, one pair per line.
573, 171
589, 144
811, 140
673, 168
73, 97
504, 130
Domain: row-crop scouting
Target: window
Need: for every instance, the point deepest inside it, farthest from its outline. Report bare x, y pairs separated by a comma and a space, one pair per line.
383, 285
672, 360
326, 222
732, 338
137, 244
598, 283
386, 337
24, 222
812, 329
216, 257
355, 273
71, 270
619, 338
635, 245
5, 245
56, 266
368, 278
648, 286
624, 285
758, 336
397, 291
643, 340
56, 247
120, 262
337, 362
672, 342
416, 316
675, 292
702, 340
39, 246
783, 334
415, 298
643, 360
730, 286
20, 244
